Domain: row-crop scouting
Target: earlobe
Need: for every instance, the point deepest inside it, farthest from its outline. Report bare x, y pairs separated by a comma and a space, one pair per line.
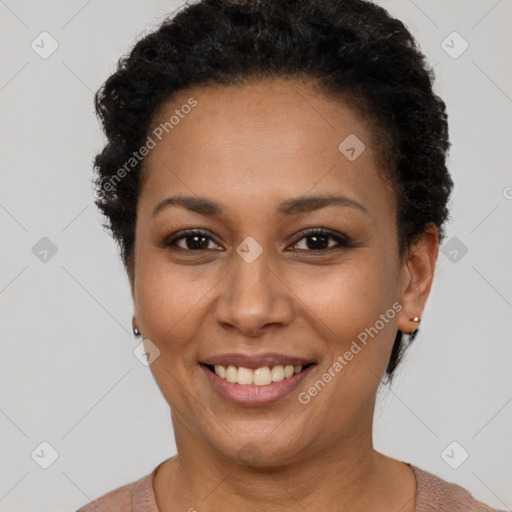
417, 277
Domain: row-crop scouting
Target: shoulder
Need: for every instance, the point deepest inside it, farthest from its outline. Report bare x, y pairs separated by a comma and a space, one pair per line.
433, 494
136, 496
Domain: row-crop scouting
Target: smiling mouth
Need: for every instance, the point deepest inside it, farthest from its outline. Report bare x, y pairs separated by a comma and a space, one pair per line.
263, 376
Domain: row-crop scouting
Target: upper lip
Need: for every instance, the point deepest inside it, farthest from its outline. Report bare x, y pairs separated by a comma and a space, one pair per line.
256, 360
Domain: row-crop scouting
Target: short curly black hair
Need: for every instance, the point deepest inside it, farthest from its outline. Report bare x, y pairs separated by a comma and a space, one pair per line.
352, 48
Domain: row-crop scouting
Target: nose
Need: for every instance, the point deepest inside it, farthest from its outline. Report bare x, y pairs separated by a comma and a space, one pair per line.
254, 297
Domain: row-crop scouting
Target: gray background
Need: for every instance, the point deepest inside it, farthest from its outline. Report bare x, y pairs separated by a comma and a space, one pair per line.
68, 373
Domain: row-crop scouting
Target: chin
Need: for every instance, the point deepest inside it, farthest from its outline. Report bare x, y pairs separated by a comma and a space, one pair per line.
266, 450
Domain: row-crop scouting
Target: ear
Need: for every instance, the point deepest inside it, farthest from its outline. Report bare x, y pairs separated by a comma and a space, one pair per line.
417, 277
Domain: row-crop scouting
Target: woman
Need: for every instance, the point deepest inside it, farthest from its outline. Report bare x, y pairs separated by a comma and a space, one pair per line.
275, 178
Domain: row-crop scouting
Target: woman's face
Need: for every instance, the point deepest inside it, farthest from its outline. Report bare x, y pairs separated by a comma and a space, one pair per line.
254, 289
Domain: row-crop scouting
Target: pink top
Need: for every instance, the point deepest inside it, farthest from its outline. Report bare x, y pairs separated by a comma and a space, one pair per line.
432, 495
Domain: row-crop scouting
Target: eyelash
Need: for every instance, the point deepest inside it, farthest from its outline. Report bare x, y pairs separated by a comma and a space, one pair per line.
343, 241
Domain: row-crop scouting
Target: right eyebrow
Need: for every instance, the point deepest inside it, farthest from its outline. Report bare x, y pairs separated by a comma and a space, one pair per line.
200, 205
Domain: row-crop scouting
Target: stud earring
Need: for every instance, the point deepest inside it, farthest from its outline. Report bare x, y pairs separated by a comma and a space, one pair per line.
136, 331
414, 332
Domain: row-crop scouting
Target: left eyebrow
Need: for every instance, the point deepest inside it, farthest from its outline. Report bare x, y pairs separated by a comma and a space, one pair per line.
312, 203
293, 206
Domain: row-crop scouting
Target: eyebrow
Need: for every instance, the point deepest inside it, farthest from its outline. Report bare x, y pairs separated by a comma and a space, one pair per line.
294, 206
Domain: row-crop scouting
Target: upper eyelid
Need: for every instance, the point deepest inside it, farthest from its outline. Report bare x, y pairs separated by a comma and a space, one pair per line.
324, 231
344, 240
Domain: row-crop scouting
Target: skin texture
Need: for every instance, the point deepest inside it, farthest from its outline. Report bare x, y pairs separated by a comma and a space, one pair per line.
249, 148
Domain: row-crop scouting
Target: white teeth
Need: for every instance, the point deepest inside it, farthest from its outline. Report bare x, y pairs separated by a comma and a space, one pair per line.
220, 371
244, 376
258, 377
277, 373
288, 370
231, 374
262, 376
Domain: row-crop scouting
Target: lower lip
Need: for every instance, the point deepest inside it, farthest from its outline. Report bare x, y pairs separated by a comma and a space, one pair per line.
251, 395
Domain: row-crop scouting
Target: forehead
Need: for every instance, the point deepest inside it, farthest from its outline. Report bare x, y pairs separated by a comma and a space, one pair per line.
259, 140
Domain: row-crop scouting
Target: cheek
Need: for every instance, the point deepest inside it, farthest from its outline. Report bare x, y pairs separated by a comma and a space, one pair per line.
351, 309
344, 308
168, 298
351, 296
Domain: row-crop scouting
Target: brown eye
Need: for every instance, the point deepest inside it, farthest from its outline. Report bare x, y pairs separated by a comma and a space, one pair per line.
321, 239
191, 240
